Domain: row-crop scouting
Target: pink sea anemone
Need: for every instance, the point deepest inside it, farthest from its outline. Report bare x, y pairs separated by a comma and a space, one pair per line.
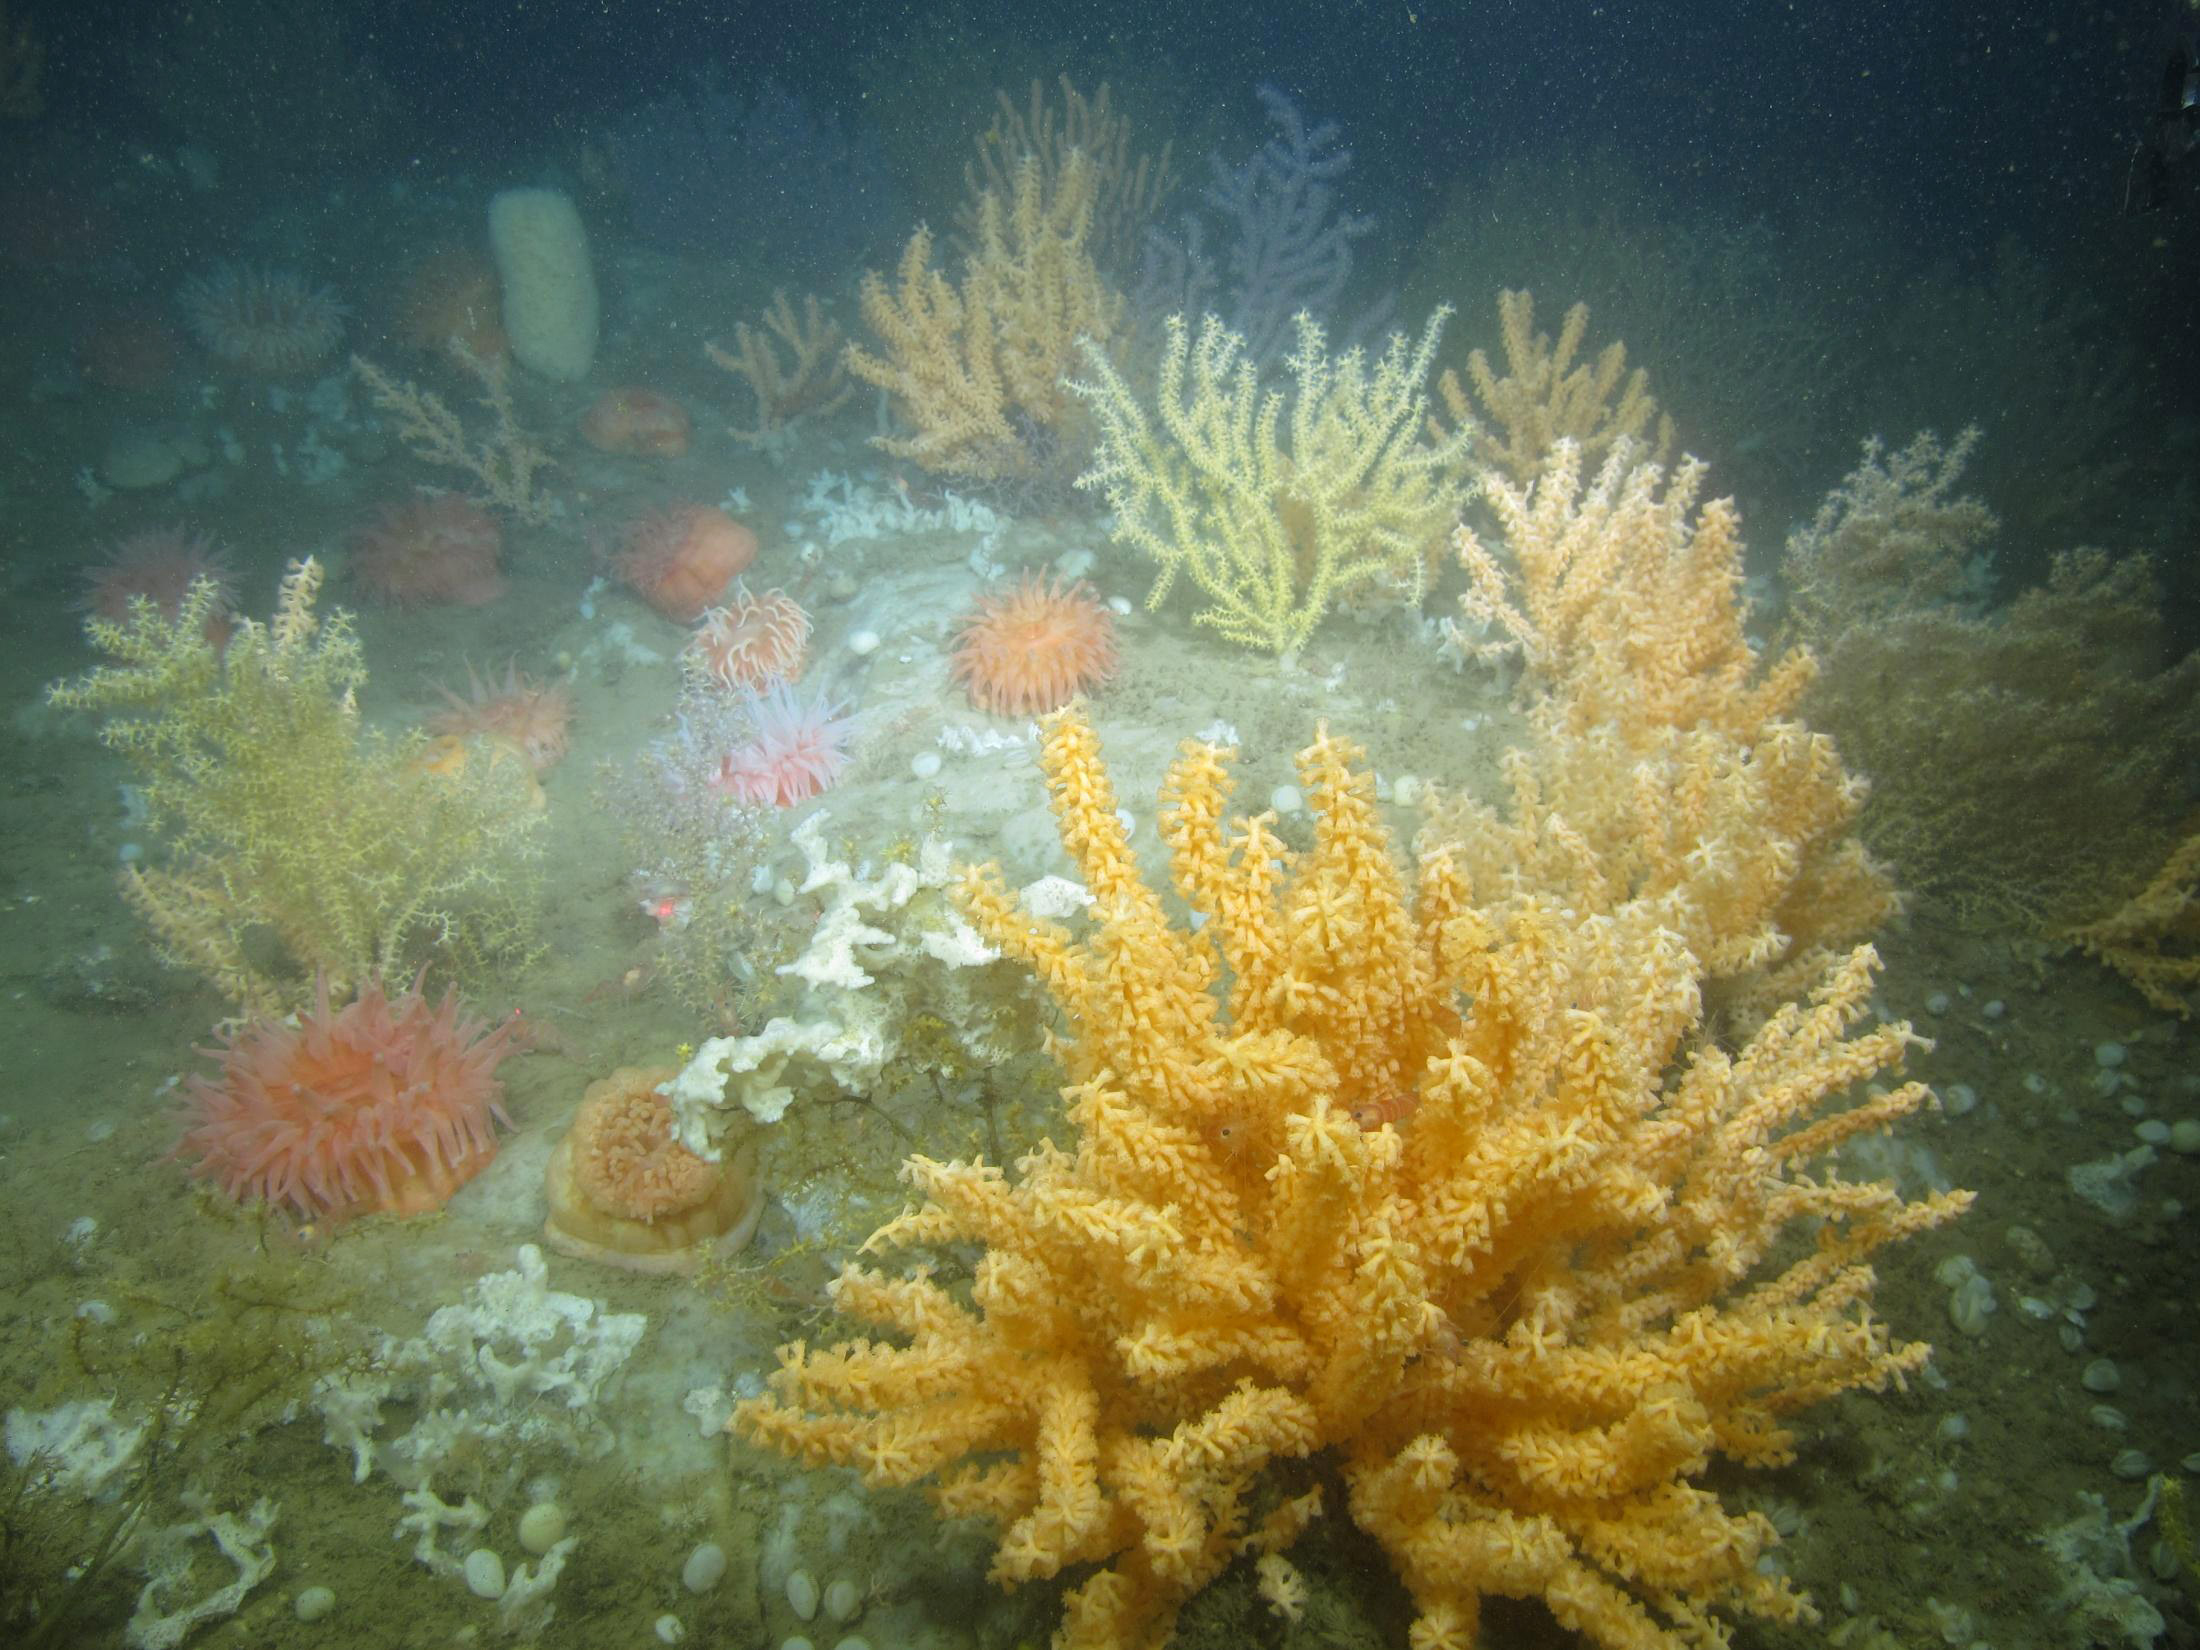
536, 718
750, 642
263, 320
428, 551
796, 752
161, 564
385, 1104
1035, 647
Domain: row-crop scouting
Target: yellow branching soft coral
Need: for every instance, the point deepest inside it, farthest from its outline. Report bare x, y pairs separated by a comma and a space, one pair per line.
1466, 1201
297, 842
1274, 519
977, 371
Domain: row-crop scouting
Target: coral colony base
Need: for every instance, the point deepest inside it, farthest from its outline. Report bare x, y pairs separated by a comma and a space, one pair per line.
735, 1125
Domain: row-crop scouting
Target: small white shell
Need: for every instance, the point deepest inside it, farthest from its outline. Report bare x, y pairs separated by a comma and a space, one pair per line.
802, 1594
541, 1526
484, 1573
704, 1569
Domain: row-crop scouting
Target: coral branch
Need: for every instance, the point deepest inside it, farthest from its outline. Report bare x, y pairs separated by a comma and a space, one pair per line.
1274, 519
814, 385
1545, 397
504, 463
977, 370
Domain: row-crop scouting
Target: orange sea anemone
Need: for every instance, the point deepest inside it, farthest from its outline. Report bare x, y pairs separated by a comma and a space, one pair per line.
636, 420
624, 1192
537, 719
1036, 648
681, 559
385, 1104
428, 551
751, 641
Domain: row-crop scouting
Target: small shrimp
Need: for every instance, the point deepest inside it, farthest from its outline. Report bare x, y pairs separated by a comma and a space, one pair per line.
1394, 1107
530, 1035
626, 985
